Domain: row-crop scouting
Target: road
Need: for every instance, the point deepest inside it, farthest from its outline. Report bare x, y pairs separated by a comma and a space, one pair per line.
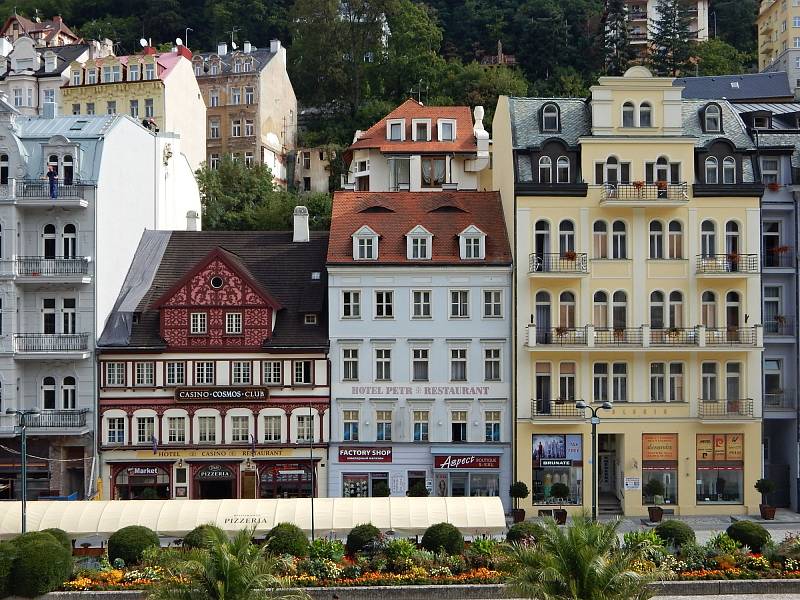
734, 597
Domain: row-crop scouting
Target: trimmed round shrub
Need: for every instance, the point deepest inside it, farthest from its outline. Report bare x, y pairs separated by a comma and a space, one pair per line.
360, 537
675, 533
33, 536
520, 532
443, 536
41, 566
61, 537
287, 538
129, 542
8, 552
202, 535
749, 534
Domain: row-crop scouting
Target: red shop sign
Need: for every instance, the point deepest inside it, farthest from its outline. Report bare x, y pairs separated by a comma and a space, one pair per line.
348, 454
453, 461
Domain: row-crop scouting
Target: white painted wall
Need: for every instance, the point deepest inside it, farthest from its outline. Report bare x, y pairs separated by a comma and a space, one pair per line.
185, 111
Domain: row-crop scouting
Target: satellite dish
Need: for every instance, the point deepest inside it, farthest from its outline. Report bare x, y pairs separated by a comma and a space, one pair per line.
178, 42
233, 45
143, 43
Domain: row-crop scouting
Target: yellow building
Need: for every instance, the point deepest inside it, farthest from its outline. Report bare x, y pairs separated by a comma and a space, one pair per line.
636, 224
158, 90
778, 26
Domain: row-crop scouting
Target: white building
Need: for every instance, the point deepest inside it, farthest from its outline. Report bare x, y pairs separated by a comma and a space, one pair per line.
642, 14
63, 261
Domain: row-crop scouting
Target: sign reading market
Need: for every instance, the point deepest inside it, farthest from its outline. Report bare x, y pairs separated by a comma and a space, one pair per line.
221, 394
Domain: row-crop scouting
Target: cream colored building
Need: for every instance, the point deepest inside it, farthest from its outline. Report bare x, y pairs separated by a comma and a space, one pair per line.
643, 13
778, 25
637, 282
312, 172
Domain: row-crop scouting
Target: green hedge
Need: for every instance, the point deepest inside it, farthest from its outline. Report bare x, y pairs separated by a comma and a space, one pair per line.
61, 537
202, 535
287, 538
129, 542
443, 536
360, 537
8, 552
675, 533
520, 532
41, 566
749, 534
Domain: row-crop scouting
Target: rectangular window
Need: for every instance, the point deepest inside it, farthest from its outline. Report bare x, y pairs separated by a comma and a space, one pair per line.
273, 372
135, 109
472, 247
145, 429
111, 107
383, 364
233, 323
600, 387
115, 373
204, 372
213, 128
492, 423
420, 364
395, 131
76, 109
272, 428
149, 111
420, 425
241, 372
770, 169
492, 304
133, 72
366, 248
446, 131
676, 382
458, 426
90, 108
149, 71
240, 429
421, 132
419, 248
176, 373
198, 323
106, 74
433, 171
236, 128
383, 422
619, 382
144, 373
249, 127
213, 98
350, 422
249, 95
351, 304
657, 382
302, 372
236, 95
709, 381
459, 304
566, 382
76, 77
720, 468
207, 429
458, 364
491, 364
91, 76
421, 304
350, 364
305, 428
176, 430
384, 308
116, 430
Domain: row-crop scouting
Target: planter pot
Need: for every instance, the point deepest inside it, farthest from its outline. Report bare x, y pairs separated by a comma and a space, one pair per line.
518, 515
655, 514
767, 512
560, 515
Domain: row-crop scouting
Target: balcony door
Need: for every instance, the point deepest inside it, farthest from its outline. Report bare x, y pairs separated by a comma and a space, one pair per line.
49, 316
49, 241
541, 238
543, 318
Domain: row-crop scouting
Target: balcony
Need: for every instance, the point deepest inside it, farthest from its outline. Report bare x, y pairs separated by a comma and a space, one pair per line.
556, 409
57, 419
50, 346
559, 265
674, 336
779, 326
36, 269
779, 257
780, 401
712, 410
618, 337
639, 194
733, 336
35, 193
727, 265
560, 336
635, 15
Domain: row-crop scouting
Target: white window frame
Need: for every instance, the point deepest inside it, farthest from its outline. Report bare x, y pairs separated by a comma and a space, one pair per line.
423, 306
463, 306
472, 232
384, 304
427, 124
144, 373
175, 372
198, 323
233, 323
398, 122
115, 374
350, 364
351, 303
492, 300
241, 372
440, 123
269, 372
205, 372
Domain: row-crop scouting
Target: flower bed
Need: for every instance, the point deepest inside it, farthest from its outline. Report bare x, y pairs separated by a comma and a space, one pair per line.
416, 576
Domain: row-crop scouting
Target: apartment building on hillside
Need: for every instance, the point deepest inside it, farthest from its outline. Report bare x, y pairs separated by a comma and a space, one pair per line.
643, 13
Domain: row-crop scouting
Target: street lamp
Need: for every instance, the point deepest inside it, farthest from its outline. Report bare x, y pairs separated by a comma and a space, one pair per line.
23, 429
594, 420
311, 464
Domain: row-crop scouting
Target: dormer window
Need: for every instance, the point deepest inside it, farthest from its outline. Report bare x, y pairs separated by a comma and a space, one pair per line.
712, 119
472, 244
149, 71
421, 129
395, 130
310, 319
550, 118
419, 243
447, 130
76, 77
365, 244
728, 170
761, 122
133, 72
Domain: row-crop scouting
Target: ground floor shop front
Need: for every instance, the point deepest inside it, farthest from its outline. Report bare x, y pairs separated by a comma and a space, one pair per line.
214, 473
466, 470
699, 468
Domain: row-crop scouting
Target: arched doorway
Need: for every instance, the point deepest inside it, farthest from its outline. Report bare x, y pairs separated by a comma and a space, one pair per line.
215, 482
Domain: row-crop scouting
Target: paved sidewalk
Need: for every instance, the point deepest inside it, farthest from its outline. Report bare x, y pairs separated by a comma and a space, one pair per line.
734, 597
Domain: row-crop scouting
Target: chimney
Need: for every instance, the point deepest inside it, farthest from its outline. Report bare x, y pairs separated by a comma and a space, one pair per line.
248, 48
184, 52
149, 50
274, 46
192, 221
57, 19
222, 48
301, 233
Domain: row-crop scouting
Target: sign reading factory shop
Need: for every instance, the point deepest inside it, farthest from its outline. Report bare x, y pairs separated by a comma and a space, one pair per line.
215, 473
222, 394
350, 454
453, 461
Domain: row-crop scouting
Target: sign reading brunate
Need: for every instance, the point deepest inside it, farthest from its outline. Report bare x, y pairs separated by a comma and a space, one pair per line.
453, 461
222, 394
348, 454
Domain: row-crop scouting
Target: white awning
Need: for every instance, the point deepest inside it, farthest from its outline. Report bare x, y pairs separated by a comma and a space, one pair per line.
332, 516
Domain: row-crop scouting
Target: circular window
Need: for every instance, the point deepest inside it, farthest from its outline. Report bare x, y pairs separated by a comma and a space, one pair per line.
217, 282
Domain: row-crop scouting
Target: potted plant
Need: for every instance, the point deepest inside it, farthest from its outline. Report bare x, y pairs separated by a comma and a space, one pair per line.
662, 188
519, 491
619, 334
773, 187
655, 490
561, 331
733, 260
569, 255
638, 186
765, 487
560, 492
781, 249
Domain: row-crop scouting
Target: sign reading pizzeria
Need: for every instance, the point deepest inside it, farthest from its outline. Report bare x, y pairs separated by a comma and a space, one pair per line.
221, 394
215, 473
369, 454
454, 461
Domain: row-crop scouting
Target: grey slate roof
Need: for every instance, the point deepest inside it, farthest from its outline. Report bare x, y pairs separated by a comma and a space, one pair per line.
261, 58
732, 125
753, 87
525, 130
65, 55
282, 268
71, 126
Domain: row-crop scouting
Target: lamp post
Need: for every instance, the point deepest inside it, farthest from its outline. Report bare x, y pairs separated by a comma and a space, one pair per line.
594, 420
23, 429
311, 464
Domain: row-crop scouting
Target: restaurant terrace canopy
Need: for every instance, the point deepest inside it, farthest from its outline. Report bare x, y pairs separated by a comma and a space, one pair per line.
332, 516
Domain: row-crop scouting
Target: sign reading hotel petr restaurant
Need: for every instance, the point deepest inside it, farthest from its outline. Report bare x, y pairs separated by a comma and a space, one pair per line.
221, 394
349, 454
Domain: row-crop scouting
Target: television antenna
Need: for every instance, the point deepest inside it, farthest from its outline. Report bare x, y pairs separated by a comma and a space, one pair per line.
143, 42
233, 32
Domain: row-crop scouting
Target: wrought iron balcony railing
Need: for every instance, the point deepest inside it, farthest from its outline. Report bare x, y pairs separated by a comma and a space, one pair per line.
618, 336
674, 336
568, 262
736, 408
57, 419
40, 266
51, 342
645, 191
720, 264
555, 409
778, 400
731, 336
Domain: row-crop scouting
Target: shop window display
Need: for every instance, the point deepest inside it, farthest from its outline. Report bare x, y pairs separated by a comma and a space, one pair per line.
660, 463
141, 483
557, 459
720, 468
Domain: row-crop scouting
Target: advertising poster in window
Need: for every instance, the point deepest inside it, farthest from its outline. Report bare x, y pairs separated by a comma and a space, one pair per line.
557, 459
719, 447
705, 447
660, 446
734, 446
559, 446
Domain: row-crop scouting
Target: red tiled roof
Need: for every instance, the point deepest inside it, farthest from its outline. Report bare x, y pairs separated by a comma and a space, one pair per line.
49, 26
393, 214
375, 136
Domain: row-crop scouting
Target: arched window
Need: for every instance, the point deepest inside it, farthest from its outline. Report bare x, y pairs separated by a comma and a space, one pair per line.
600, 310
3, 169
611, 174
656, 240
708, 311
70, 241
619, 309
600, 239
562, 170
49, 393
619, 244
645, 115
711, 170
628, 111
675, 309
662, 169
566, 317
52, 161
545, 170
732, 237
69, 169
732, 310
541, 238
543, 318
675, 235
68, 393
566, 237
728, 170
713, 118
657, 310
708, 239
550, 118
49, 240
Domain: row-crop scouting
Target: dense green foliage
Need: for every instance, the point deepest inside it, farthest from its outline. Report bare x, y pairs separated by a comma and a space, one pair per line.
61, 537
360, 537
675, 533
520, 532
202, 536
42, 564
287, 538
8, 552
749, 534
129, 542
443, 536
418, 490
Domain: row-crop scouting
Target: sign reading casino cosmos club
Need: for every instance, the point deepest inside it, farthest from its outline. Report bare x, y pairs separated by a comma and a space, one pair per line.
222, 394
